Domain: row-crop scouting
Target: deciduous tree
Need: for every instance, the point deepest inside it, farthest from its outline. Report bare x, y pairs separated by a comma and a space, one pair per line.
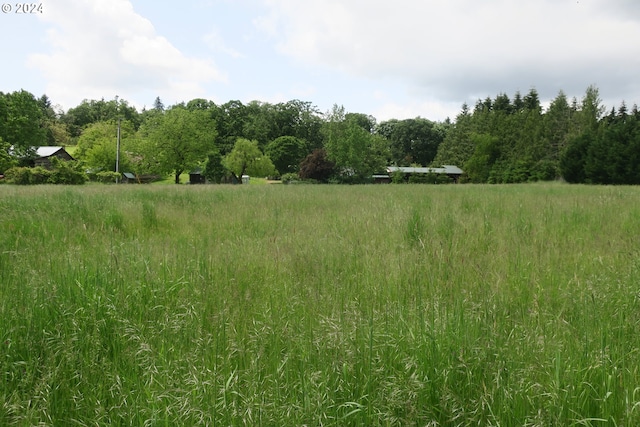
7, 161
21, 122
286, 153
246, 158
97, 146
356, 152
177, 140
412, 141
317, 166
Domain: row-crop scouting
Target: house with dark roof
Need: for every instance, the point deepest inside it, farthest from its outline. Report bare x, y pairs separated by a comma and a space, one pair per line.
45, 153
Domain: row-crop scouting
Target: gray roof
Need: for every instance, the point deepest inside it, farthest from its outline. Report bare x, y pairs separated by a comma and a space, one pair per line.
47, 151
453, 170
446, 169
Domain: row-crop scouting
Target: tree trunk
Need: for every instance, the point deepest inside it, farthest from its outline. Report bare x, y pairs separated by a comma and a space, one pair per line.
178, 173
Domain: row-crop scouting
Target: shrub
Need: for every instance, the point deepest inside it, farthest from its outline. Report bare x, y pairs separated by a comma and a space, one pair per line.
290, 178
18, 176
40, 175
27, 176
69, 173
443, 179
544, 170
107, 177
63, 173
397, 177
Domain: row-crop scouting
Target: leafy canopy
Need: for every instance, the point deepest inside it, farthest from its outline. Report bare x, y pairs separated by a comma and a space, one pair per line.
177, 140
246, 159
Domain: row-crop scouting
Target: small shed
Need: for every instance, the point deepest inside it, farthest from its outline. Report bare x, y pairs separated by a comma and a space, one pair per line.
196, 177
45, 153
129, 178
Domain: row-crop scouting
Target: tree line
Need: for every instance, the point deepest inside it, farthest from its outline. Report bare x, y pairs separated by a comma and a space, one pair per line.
502, 140
507, 140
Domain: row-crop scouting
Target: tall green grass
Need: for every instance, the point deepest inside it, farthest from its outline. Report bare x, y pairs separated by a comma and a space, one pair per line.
320, 305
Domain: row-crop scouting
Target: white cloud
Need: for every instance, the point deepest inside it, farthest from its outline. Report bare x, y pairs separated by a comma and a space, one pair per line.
427, 58
102, 48
432, 110
457, 49
389, 106
217, 44
303, 91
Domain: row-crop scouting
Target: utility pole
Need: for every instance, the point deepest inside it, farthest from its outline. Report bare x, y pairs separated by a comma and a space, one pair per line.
118, 153
118, 145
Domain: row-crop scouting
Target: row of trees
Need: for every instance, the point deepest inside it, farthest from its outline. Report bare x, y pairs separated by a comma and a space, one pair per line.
504, 141
225, 140
606, 154
500, 140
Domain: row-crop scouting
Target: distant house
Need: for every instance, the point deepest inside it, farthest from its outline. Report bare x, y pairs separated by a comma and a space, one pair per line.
451, 171
45, 153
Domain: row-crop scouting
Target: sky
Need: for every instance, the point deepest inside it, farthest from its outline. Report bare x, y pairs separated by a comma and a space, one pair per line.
390, 59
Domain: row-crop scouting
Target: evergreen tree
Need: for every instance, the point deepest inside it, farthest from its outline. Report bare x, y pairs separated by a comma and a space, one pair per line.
573, 159
502, 104
518, 103
557, 126
457, 146
485, 155
158, 105
590, 110
531, 101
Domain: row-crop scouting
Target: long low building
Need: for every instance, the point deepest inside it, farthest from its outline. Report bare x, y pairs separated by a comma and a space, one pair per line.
452, 171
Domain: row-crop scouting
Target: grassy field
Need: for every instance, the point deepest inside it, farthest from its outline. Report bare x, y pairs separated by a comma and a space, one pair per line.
387, 305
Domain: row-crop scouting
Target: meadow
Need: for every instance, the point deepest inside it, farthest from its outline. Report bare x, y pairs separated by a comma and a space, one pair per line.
292, 305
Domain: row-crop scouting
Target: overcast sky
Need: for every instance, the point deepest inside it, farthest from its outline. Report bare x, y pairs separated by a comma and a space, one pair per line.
390, 59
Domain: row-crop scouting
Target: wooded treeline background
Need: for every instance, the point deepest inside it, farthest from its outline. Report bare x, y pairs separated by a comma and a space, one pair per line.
500, 140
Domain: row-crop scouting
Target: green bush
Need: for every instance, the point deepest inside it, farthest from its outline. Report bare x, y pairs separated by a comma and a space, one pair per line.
69, 173
107, 177
397, 177
544, 170
63, 173
429, 178
290, 178
40, 175
18, 176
